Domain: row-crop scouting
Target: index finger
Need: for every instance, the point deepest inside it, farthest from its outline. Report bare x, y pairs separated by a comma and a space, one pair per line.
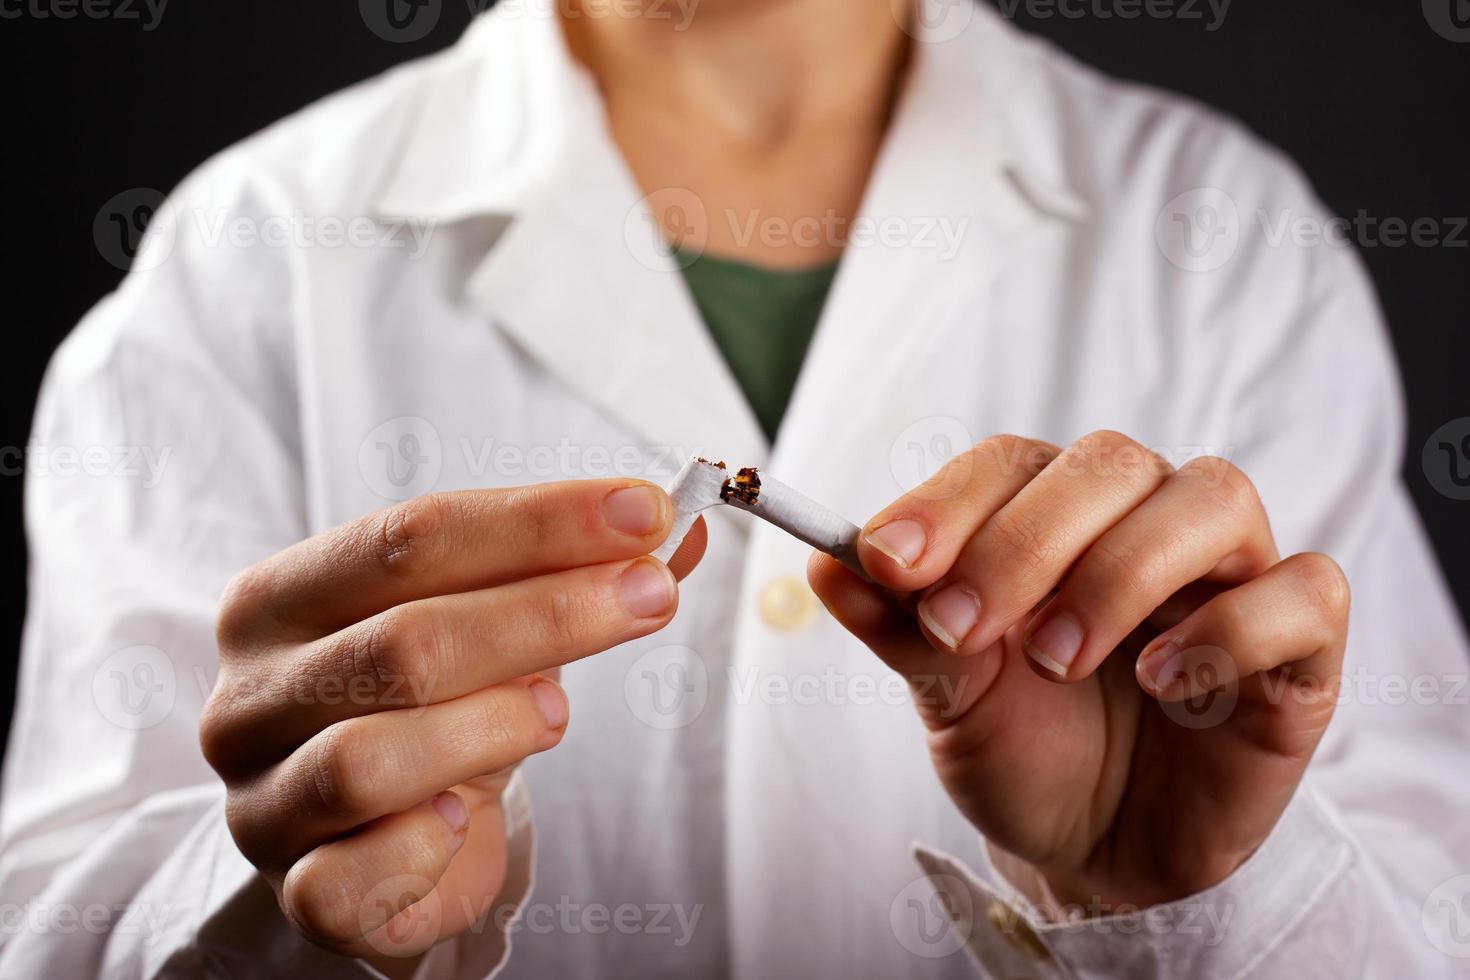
442, 544
910, 544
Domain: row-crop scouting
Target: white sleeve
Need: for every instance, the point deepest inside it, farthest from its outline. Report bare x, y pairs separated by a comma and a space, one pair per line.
165, 457
1368, 872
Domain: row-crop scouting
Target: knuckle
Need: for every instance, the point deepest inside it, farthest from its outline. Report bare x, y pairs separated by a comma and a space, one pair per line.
241, 820
1020, 542
527, 519
341, 782
253, 824
499, 725
400, 645
1104, 441
1233, 621
537, 516
241, 606
1109, 453
1226, 484
1004, 444
216, 730
1120, 569
237, 820
403, 533
1011, 453
567, 618
321, 902
1323, 579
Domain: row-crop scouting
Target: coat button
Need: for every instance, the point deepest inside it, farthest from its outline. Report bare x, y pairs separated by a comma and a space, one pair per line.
788, 604
1016, 931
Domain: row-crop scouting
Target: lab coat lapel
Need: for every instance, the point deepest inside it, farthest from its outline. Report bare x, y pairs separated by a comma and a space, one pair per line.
573, 274
613, 322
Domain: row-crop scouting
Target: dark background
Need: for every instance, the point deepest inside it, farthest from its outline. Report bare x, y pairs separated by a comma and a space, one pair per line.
1369, 98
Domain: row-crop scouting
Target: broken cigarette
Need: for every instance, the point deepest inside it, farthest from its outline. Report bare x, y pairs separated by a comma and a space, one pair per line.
702, 484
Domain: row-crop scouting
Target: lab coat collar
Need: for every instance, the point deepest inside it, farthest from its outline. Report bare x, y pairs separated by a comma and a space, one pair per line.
568, 248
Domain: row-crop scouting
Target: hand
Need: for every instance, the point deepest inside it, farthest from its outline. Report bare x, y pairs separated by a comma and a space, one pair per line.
379, 683
1140, 681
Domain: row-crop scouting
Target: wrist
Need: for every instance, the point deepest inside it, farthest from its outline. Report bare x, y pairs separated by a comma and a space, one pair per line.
1064, 894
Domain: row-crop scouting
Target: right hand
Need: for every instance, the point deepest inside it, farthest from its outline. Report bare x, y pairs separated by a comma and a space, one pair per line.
379, 683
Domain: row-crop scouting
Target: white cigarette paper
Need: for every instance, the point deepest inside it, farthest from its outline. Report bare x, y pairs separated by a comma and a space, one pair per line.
696, 487
702, 484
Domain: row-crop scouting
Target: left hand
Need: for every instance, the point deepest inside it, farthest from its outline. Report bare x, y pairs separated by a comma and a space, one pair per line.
1139, 679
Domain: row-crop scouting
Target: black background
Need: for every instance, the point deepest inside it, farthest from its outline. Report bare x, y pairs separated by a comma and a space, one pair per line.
1369, 98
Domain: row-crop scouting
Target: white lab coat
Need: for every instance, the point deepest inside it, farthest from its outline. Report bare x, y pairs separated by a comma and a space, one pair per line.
740, 794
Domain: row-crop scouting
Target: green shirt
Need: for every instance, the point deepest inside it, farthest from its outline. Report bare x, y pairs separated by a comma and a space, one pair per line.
762, 320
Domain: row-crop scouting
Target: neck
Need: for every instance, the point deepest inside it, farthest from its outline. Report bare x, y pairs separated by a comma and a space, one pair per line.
754, 71
770, 112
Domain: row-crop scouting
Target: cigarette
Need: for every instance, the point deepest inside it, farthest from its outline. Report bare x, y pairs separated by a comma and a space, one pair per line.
703, 484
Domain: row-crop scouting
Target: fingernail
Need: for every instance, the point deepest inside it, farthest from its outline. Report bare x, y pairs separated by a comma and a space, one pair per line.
950, 614
1056, 644
634, 510
552, 704
453, 810
1162, 666
901, 540
647, 589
